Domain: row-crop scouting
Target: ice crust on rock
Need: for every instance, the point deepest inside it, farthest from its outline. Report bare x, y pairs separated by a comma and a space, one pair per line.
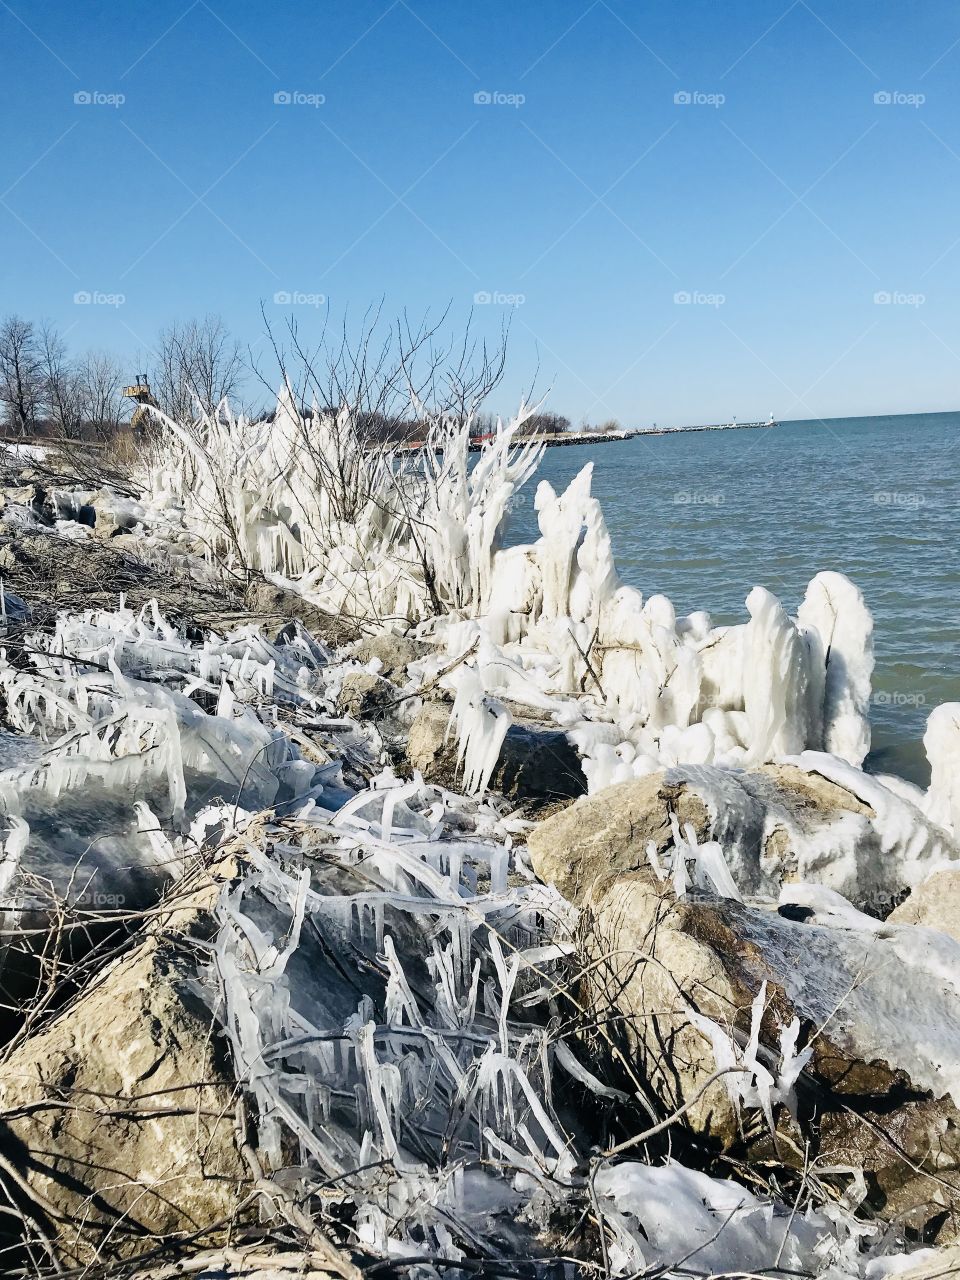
125, 711
693, 1221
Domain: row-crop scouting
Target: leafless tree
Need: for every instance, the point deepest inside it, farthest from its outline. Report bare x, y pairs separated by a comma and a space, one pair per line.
62, 396
100, 379
21, 373
196, 359
545, 424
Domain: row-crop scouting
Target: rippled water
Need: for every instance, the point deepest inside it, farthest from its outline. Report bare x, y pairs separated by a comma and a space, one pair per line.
704, 517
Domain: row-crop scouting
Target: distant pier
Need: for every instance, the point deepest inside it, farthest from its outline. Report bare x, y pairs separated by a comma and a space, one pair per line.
563, 439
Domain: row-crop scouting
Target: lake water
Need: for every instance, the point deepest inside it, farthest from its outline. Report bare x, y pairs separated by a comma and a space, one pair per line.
703, 517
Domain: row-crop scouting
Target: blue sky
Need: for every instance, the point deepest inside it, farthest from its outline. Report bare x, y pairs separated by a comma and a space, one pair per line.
630, 156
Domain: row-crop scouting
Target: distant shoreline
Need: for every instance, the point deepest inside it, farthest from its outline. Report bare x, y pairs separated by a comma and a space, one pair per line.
609, 437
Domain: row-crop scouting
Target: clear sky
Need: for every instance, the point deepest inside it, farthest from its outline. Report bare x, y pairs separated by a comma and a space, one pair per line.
620, 157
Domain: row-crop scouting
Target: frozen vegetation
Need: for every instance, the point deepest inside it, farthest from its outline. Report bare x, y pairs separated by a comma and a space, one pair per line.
401, 995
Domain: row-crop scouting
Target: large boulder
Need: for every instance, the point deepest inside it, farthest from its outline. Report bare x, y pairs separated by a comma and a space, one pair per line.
364, 696
537, 765
119, 1116
814, 820
676, 963
676, 979
276, 607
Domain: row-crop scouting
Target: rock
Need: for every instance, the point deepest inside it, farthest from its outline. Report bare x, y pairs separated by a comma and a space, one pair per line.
279, 606
935, 903
777, 824
394, 653
112, 514
71, 903
33, 496
606, 834
875, 1093
119, 1114
537, 762
648, 971
366, 697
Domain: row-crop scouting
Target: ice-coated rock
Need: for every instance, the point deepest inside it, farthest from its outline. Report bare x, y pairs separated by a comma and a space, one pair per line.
120, 1113
810, 1019
776, 824
536, 762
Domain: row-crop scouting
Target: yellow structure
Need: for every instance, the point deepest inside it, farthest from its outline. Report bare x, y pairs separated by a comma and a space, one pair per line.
140, 392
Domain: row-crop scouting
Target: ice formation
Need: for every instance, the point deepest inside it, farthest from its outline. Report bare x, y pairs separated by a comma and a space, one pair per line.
418, 537
942, 743
438, 1113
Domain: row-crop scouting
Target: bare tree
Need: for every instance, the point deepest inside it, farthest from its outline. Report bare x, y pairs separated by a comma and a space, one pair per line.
61, 387
21, 373
545, 424
196, 359
100, 381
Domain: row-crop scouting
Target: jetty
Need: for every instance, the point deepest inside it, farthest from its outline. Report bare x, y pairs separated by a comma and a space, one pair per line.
561, 439
710, 426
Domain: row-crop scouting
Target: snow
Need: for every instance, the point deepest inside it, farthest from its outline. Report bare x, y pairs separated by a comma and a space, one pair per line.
18, 452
